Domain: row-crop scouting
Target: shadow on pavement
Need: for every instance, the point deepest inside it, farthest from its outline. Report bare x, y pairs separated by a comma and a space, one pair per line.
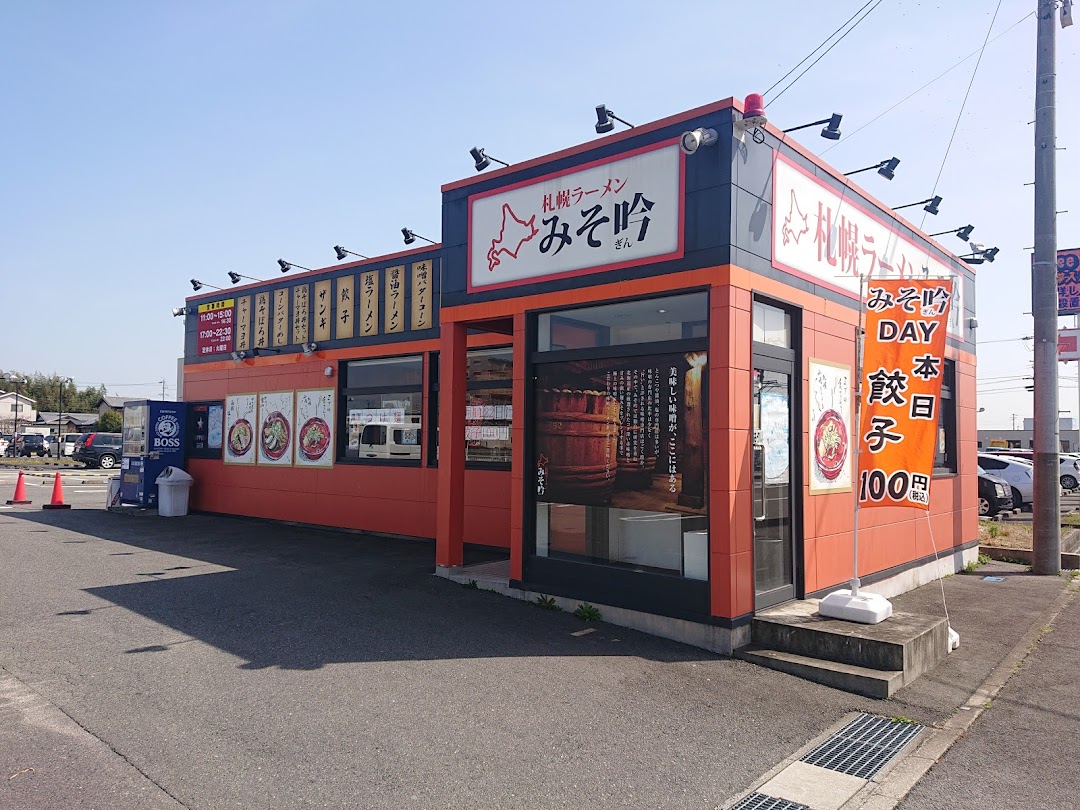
300, 598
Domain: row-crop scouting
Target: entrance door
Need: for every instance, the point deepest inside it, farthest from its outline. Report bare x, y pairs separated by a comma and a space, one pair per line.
775, 479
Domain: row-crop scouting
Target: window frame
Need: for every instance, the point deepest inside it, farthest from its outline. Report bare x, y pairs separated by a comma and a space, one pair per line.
946, 463
343, 394
475, 385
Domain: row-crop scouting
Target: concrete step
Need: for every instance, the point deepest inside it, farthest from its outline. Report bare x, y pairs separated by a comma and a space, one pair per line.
875, 683
906, 642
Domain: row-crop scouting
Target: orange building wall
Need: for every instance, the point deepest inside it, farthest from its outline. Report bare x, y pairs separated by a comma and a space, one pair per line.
370, 497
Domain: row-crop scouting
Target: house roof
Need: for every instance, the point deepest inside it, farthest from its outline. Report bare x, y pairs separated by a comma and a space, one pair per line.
115, 401
80, 419
23, 397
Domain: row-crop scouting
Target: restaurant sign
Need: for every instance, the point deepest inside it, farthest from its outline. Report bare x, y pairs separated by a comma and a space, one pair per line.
215, 335
1068, 281
831, 240
601, 216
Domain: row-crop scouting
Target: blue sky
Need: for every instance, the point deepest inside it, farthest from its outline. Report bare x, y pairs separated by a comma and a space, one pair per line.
146, 143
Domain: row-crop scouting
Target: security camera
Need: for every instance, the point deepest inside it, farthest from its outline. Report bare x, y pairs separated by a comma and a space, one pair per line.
977, 247
695, 139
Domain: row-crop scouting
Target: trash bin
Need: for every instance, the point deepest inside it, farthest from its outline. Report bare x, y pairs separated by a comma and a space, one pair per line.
112, 497
173, 487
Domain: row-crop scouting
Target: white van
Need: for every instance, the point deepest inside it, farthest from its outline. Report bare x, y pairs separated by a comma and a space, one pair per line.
391, 440
64, 445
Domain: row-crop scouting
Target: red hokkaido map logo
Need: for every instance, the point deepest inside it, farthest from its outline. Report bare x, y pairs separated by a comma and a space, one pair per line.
514, 232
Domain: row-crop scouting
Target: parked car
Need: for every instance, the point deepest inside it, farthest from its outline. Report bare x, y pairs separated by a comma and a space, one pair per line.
98, 450
1016, 471
33, 445
1068, 470
995, 494
64, 445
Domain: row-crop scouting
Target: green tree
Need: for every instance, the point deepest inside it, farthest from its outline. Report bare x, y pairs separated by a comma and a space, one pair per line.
44, 389
110, 422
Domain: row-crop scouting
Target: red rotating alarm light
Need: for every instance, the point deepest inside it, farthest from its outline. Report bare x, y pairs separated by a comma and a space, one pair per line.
754, 109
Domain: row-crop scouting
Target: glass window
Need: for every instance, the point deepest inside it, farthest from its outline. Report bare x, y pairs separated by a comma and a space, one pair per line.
381, 407
488, 405
771, 325
620, 448
651, 320
945, 452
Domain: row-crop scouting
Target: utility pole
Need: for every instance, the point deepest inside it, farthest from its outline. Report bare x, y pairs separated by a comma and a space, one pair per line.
163, 381
1046, 517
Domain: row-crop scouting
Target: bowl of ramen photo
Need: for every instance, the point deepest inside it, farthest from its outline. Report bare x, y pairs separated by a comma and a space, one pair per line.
314, 438
275, 436
830, 444
240, 436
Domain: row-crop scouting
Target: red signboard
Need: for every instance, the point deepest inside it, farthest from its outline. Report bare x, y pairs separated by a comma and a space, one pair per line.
1068, 281
215, 335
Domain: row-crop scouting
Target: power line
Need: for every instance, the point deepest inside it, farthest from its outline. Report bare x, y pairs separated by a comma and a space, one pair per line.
911, 95
841, 39
818, 48
963, 104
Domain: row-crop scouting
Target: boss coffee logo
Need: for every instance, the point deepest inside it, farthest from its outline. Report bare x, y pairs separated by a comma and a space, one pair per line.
167, 432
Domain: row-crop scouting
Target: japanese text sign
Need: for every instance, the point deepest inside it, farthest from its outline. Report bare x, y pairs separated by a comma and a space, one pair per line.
1068, 281
604, 215
903, 366
369, 303
215, 335
395, 298
262, 320
300, 314
322, 311
346, 298
281, 317
421, 295
833, 241
243, 323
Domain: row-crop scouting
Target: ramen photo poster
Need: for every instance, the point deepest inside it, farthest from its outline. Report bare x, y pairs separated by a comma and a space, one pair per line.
830, 427
315, 428
240, 419
275, 428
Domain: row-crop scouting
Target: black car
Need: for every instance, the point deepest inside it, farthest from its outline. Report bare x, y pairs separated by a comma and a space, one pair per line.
995, 494
31, 444
98, 450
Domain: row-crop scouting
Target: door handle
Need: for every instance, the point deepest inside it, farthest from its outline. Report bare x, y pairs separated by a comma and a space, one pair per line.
759, 476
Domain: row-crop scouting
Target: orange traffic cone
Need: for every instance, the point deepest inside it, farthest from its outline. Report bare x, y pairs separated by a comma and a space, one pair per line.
57, 496
20, 498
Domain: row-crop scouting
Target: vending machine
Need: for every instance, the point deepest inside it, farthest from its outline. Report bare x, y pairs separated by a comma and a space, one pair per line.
153, 436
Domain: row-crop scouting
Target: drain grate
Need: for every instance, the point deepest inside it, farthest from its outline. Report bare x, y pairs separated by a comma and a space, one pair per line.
759, 801
864, 746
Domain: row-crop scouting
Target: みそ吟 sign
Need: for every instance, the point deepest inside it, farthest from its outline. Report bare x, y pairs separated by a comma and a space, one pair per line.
604, 215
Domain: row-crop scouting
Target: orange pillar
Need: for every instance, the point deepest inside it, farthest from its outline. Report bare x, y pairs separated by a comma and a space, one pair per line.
450, 509
517, 455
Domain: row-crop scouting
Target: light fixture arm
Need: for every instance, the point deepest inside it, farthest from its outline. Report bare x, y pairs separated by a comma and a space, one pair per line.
806, 126
912, 205
867, 169
343, 252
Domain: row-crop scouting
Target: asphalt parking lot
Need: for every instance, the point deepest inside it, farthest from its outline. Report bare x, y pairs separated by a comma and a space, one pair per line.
208, 662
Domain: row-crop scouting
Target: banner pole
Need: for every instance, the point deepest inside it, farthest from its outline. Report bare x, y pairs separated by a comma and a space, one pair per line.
859, 340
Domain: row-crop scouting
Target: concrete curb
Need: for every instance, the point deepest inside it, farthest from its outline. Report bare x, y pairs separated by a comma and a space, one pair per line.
1069, 562
888, 791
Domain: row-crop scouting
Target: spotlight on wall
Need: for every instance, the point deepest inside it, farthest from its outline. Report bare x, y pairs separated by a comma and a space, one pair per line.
964, 233
831, 130
261, 350
239, 357
235, 277
482, 160
885, 168
309, 349
932, 204
605, 120
178, 311
342, 253
696, 138
197, 285
412, 236
980, 253
328, 371
287, 266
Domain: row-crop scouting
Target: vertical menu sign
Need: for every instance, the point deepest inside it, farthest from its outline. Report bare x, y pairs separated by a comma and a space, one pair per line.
215, 335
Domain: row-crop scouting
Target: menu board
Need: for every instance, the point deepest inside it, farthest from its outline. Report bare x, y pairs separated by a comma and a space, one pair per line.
315, 428
215, 327
242, 327
421, 295
281, 317
344, 324
262, 320
275, 428
321, 315
300, 314
369, 303
240, 420
395, 298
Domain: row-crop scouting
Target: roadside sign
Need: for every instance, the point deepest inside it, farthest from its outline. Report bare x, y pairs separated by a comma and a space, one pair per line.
1068, 281
1068, 345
